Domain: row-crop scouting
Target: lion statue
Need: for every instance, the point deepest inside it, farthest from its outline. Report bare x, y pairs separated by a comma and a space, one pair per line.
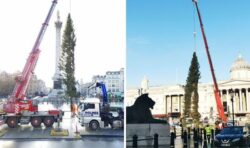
140, 111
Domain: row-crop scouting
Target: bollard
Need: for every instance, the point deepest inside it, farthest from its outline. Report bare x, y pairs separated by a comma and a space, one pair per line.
205, 138
135, 140
212, 137
172, 140
189, 130
156, 140
205, 144
185, 138
196, 144
200, 134
205, 134
174, 132
182, 136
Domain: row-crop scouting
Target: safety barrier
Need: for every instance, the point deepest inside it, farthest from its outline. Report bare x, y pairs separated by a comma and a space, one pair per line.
135, 140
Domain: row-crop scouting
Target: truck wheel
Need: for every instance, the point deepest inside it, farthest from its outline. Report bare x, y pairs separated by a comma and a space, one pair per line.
12, 122
36, 121
48, 121
94, 125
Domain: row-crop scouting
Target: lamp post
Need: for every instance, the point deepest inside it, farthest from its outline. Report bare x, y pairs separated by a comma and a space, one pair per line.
231, 92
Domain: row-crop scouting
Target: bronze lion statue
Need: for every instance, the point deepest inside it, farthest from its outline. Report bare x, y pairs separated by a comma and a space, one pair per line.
140, 112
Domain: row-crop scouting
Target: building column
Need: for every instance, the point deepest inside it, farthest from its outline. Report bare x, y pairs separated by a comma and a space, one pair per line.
182, 103
248, 100
236, 102
240, 97
229, 103
179, 104
167, 104
244, 101
171, 104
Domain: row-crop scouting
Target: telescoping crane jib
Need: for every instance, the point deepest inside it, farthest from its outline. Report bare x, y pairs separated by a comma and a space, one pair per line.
18, 109
22, 81
220, 108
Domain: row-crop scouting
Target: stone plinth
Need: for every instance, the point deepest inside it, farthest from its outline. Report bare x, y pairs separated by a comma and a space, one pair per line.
147, 131
56, 93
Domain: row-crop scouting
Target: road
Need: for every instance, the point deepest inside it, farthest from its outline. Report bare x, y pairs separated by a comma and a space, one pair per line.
25, 136
86, 143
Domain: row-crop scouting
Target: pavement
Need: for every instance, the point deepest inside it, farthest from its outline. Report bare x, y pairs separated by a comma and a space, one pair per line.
179, 143
103, 133
75, 130
83, 143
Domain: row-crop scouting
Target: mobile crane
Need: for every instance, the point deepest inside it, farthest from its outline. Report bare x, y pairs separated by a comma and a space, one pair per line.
220, 108
18, 109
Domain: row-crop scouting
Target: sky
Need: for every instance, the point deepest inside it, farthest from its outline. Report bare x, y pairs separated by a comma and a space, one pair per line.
100, 28
160, 40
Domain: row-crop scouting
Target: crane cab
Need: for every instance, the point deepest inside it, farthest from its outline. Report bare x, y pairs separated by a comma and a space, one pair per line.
89, 113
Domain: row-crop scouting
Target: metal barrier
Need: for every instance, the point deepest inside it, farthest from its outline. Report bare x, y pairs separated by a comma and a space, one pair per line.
135, 140
173, 136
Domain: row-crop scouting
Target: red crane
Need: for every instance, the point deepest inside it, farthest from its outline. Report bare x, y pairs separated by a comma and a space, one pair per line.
14, 104
17, 103
220, 108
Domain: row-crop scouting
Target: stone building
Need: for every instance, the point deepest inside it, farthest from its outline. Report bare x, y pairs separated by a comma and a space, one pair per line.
113, 80
36, 86
169, 98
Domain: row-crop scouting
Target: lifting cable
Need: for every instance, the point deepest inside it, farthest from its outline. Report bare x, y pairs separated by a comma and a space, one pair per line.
70, 6
194, 31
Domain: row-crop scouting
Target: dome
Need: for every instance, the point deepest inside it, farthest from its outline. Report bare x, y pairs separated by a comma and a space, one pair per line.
240, 64
240, 69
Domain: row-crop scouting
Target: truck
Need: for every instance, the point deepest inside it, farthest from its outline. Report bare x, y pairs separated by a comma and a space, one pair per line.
94, 113
18, 109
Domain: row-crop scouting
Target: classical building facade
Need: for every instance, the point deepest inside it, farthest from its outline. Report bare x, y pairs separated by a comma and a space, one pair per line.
169, 99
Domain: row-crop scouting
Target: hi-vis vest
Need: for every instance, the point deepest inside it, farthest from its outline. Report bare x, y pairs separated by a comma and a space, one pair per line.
208, 130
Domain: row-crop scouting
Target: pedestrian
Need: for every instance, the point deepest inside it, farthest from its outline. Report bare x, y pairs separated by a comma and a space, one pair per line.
224, 125
74, 110
208, 132
217, 129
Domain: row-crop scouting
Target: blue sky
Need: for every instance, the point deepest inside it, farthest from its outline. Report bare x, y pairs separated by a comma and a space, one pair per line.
160, 40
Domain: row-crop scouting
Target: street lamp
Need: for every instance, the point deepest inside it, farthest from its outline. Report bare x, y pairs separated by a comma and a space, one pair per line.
231, 92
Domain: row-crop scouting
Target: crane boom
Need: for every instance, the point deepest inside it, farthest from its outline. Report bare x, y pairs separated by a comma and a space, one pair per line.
220, 108
104, 92
15, 103
22, 81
